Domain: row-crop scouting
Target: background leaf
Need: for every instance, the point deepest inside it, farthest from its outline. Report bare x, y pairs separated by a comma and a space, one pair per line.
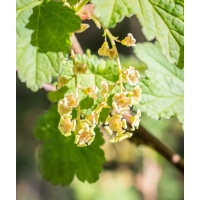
163, 87
163, 20
43, 39
113, 11
98, 69
60, 159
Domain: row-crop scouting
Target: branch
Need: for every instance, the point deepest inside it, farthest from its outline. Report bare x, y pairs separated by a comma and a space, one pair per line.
142, 136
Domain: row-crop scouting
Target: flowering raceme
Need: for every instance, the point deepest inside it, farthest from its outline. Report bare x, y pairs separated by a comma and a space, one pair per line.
85, 134
119, 105
66, 104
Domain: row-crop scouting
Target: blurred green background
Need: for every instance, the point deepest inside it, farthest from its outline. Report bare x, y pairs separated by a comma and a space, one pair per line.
131, 172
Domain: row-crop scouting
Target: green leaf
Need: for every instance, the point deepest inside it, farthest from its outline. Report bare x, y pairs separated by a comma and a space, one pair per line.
86, 103
43, 39
163, 87
57, 95
113, 11
180, 1
104, 114
60, 159
163, 20
98, 70
43, 131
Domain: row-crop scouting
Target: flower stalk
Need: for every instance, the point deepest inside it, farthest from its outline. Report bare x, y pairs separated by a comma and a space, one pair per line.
111, 37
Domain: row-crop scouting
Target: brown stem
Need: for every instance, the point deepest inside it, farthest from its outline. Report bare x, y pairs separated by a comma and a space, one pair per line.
142, 136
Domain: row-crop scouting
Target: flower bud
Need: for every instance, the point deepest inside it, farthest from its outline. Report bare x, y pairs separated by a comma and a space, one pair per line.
80, 68
129, 40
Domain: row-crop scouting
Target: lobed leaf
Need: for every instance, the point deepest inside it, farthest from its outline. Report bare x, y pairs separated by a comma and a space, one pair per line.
163, 20
163, 87
60, 159
98, 70
113, 11
43, 39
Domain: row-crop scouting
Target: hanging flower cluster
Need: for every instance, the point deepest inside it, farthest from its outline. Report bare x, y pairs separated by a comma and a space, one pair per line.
115, 123
123, 101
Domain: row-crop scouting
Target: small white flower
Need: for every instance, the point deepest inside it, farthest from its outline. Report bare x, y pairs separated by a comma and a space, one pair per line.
115, 124
131, 76
84, 137
136, 95
120, 137
66, 125
122, 102
66, 105
135, 120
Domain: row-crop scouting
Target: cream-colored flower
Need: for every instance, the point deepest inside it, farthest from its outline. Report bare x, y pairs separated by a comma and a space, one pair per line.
66, 125
104, 89
70, 100
121, 102
130, 76
63, 109
136, 95
115, 123
66, 105
85, 134
93, 118
135, 120
91, 92
80, 68
120, 137
129, 41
